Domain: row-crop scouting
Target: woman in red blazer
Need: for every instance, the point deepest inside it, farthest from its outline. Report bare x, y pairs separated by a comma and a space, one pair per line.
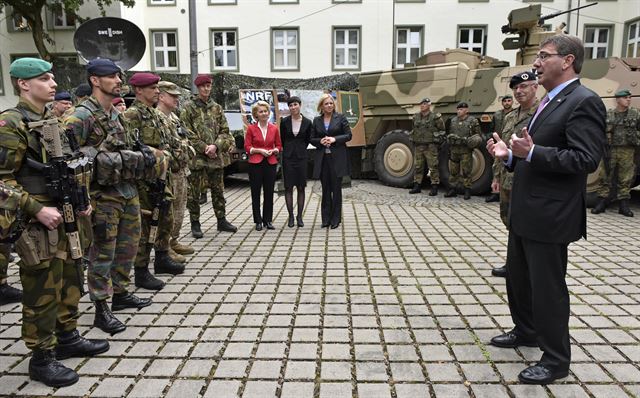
262, 143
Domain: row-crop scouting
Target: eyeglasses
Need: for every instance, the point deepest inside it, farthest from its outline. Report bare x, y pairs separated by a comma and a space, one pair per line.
543, 56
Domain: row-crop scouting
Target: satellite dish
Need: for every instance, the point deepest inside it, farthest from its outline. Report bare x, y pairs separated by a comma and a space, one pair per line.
107, 37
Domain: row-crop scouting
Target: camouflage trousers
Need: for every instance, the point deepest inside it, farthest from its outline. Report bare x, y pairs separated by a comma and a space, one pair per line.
5, 251
116, 234
180, 194
460, 165
215, 179
622, 160
50, 300
165, 225
426, 154
505, 199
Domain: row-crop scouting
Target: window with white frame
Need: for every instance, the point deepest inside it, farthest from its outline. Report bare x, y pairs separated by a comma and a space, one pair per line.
225, 50
18, 23
285, 49
633, 40
165, 50
218, 2
62, 19
596, 41
472, 38
162, 2
408, 45
346, 48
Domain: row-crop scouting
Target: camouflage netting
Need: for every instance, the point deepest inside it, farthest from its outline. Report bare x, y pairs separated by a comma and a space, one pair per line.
225, 85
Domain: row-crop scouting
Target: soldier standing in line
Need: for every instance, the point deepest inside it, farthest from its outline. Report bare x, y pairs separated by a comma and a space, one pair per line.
623, 138
8, 293
51, 283
462, 128
427, 127
524, 86
209, 135
61, 104
9, 205
181, 152
497, 125
144, 120
100, 132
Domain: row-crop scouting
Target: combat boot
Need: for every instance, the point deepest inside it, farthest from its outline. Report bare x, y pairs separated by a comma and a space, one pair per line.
416, 188
196, 232
163, 264
624, 208
434, 190
126, 300
181, 248
203, 198
225, 226
467, 194
71, 344
105, 320
178, 258
145, 280
600, 207
451, 193
493, 197
9, 294
44, 367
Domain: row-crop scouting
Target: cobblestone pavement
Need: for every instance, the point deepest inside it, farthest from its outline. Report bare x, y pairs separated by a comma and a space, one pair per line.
397, 302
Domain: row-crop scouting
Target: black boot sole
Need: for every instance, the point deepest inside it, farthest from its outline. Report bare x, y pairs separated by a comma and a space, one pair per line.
61, 354
56, 385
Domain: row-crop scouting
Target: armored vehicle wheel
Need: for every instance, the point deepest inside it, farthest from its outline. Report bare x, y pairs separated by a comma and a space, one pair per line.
393, 159
481, 172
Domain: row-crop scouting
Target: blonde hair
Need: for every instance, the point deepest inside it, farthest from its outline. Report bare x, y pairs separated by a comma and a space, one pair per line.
323, 98
255, 106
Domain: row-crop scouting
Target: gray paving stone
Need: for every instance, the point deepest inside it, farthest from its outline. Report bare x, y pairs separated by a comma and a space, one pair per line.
374, 390
223, 389
335, 390
411, 390
97, 366
526, 391
300, 370
112, 387
148, 388
197, 368
163, 367
567, 390
450, 391
81, 388
185, 388
588, 372
440, 372
260, 389
228, 368
335, 371
371, 371
265, 370
623, 372
292, 389
605, 390
489, 391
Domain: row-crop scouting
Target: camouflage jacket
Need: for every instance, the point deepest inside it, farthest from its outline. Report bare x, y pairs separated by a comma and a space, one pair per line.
16, 143
179, 146
146, 122
513, 124
98, 130
498, 120
207, 125
424, 127
623, 128
460, 130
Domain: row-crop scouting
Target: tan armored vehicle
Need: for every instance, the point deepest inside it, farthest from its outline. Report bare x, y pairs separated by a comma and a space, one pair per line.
390, 98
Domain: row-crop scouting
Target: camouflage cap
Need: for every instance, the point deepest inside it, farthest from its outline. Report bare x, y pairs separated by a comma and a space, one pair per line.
526, 76
169, 88
425, 101
622, 93
462, 105
28, 68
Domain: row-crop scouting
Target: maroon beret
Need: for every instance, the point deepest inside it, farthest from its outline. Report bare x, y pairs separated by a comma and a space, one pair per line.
143, 79
117, 100
202, 79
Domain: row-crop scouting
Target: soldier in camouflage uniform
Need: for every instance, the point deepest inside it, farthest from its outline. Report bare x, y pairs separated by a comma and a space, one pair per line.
428, 127
497, 123
100, 132
50, 281
145, 121
461, 129
181, 153
623, 137
9, 205
209, 135
524, 86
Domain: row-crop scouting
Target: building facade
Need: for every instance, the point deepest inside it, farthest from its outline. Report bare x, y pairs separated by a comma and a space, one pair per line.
311, 38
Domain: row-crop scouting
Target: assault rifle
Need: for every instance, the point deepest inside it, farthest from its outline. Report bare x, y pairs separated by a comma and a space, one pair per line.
67, 179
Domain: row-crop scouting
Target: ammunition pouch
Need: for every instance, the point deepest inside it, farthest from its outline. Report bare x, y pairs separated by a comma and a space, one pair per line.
108, 168
439, 137
474, 141
160, 166
132, 164
10, 214
36, 246
454, 139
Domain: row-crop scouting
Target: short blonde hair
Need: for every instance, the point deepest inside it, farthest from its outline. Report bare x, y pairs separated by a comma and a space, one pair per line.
255, 106
323, 98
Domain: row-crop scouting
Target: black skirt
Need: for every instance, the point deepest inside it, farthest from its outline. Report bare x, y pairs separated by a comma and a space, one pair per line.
294, 172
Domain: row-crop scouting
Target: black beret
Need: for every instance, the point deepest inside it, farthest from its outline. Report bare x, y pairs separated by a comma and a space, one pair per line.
526, 76
102, 67
462, 105
425, 101
83, 90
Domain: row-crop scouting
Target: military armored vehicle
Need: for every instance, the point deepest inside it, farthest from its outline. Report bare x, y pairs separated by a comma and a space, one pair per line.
390, 98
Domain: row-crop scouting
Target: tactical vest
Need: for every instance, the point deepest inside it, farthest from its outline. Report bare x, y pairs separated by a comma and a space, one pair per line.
623, 127
462, 128
424, 128
109, 135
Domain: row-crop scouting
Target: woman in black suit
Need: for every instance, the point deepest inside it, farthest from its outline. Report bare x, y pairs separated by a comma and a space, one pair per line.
331, 132
295, 131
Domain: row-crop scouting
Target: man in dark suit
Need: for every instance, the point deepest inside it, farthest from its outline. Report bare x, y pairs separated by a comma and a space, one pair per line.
563, 143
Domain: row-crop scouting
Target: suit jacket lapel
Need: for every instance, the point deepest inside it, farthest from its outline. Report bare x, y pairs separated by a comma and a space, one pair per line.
553, 105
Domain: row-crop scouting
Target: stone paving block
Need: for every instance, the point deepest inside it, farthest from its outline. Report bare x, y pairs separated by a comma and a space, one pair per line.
336, 351
148, 388
97, 366
335, 371
335, 390
199, 368
185, 388
206, 350
589, 373
231, 369
260, 389
296, 370
567, 390
80, 389
605, 390
129, 367
371, 371
175, 350
479, 372
440, 372
223, 389
526, 391
402, 353
112, 387
489, 391
163, 367
302, 351
265, 370
450, 391
372, 390
411, 390
623, 372
238, 350
292, 389
401, 371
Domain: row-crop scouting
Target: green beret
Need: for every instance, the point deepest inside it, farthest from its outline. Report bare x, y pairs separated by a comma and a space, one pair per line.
622, 93
28, 68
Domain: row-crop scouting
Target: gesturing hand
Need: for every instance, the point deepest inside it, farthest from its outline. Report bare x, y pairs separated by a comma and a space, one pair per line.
521, 146
497, 148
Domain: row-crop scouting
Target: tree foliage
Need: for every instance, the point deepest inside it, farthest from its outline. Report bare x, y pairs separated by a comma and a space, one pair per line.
32, 12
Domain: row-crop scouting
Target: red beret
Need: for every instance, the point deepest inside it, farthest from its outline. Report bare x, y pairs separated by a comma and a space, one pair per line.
117, 100
202, 79
143, 79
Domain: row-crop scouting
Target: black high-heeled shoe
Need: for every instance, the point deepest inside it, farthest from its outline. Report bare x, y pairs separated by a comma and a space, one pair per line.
290, 223
300, 223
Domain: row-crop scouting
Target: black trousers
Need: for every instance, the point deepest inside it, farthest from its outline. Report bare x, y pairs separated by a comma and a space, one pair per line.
331, 204
539, 298
262, 176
